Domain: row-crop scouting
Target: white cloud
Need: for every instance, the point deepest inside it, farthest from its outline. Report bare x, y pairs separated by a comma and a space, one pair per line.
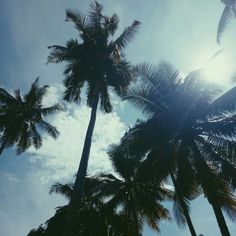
26, 202
63, 155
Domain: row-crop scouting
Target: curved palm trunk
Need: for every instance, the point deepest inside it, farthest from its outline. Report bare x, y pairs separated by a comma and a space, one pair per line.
217, 209
78, 189
220, 220
186, 214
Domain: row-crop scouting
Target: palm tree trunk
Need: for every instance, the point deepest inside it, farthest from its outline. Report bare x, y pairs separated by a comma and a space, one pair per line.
220, 220
217, 209
180, 197
78, 189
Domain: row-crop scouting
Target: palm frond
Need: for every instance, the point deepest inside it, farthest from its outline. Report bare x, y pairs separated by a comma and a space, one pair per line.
92, 91
24, 140
228, 172
35, 95
36, 137
80, 22
18, 95
224, 19
225, 128
226, 103
64, 189
5, 97
105, 102
142, 99
52, 110
111, 23
51, 130
58, 54
155, 89
95, 15
73, 88
127, 35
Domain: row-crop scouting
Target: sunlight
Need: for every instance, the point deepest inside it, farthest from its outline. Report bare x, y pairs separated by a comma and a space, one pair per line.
217, 68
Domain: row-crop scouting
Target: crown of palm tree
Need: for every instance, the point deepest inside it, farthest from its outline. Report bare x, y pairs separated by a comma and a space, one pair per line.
133, 193
91, 218
96, 59
186, 130
113, 204
20, 118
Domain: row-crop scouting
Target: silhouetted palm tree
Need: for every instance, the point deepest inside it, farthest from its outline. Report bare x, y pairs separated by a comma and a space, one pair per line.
186, 128
21, 118
97, 61
133, 193
91, 218
228, 12
113, 205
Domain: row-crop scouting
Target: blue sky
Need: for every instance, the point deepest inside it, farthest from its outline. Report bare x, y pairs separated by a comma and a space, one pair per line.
182, 32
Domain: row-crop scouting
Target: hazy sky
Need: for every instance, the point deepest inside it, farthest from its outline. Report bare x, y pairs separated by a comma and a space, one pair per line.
182, 32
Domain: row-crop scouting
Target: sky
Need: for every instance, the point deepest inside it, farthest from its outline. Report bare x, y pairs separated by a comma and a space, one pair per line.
182, 32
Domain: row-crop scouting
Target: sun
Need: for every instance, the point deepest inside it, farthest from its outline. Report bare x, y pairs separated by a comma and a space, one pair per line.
218, 68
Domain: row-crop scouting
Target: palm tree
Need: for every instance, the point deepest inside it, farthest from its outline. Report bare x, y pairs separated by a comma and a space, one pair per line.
97, 61
91, 218
113, 205
131, 191
21, 117
228, 12
185, 130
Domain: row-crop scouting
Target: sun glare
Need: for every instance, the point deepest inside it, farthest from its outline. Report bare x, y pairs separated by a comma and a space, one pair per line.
218, 68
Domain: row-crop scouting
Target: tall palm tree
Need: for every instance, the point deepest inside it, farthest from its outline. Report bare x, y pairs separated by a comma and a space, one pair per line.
113, 204
91, 218
131, 191
186, 128
97, 61
21, 118
228, 12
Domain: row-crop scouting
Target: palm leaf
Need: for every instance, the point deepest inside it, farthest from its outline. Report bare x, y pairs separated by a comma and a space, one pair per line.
105, 99
58, 54
111, 23
17, 95
23, 141
51, 130
127, 35
6, 97
35, 95
224, 19
64, 189
95, 16
80, 22
36, 137
52, 110
223, 104
73, 88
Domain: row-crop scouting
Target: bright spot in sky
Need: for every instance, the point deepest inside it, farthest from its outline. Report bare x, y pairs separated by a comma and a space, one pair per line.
217, 68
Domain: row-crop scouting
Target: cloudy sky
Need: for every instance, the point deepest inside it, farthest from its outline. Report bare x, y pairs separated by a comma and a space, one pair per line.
182, 32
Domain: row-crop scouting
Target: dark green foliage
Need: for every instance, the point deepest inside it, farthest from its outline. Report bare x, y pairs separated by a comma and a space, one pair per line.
97, 59
20, 118
91, 219
184, 115
134, 193
113, 205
